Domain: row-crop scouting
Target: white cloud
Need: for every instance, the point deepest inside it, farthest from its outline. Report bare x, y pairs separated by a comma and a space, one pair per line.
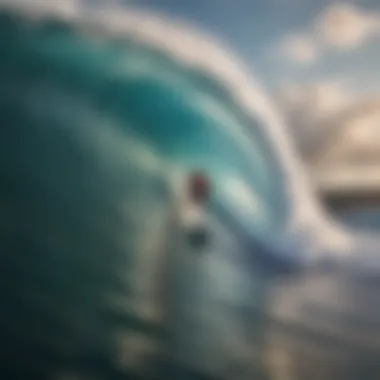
339, 26
326, 97
345, 26
317, 99
307, 106
359, 140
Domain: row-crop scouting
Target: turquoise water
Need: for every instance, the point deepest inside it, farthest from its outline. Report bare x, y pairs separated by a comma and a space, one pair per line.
90, 135
184, 116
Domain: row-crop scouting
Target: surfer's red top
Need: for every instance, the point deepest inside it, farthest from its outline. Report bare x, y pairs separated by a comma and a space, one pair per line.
199, 186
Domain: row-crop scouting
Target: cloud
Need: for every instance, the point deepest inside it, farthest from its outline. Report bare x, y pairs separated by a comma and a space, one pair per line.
331, 125
325, 97
345, 26
306, 106
317, 99
358, 141
338, 26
